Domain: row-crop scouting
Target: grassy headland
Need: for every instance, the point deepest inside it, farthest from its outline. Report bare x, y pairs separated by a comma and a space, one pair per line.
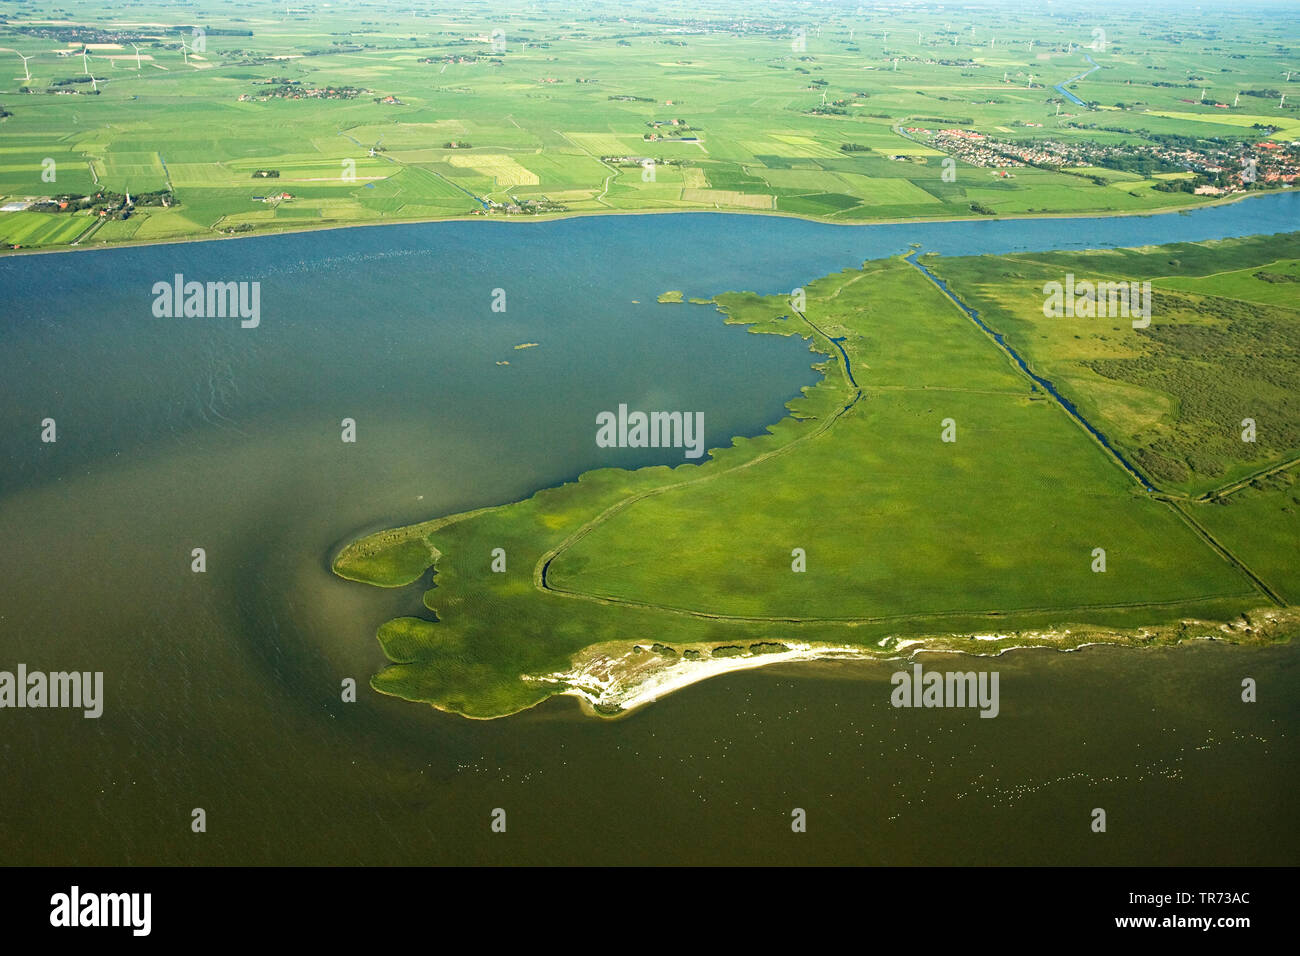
624, 580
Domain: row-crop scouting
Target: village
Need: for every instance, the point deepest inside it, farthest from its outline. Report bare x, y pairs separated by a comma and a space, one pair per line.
294, 90
103, 204
517, 206
1219, 167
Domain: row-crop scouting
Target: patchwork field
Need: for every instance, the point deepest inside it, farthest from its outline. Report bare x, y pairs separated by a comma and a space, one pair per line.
742, 115
503, 170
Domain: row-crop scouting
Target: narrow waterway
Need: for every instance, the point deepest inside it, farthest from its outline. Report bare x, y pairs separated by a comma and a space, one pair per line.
1047, 386
1060, 87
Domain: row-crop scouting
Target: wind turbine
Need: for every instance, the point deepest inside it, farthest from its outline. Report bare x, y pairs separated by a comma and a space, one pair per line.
1235, 98
185, 50
1202, 96
93, 85
1031, 82
137, 57
85, 60
25, 70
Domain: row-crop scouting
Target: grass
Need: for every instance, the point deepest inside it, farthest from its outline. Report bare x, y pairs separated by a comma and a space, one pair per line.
904, 534
1220, 349
1263, 523
35, 229
744, 92
1250, 284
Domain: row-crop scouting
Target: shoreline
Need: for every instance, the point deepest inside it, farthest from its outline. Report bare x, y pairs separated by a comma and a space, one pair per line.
612, 682
587, 214
661, 682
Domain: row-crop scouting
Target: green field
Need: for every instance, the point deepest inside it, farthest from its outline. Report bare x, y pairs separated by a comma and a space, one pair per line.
1262, 521
979, 543
1275, 284
528, 131
1221, 348
36, 229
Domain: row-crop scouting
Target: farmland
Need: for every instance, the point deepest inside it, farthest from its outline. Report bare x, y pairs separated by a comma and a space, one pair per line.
785, 111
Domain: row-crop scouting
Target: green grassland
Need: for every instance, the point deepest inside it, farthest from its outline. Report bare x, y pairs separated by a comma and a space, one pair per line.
906, 536
1262, 520
1276, 284
1221, 348
732, 73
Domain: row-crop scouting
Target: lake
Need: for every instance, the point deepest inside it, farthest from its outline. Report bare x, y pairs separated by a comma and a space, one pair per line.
222, 689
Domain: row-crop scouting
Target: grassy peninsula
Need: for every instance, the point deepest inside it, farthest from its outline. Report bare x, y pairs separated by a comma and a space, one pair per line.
927, 492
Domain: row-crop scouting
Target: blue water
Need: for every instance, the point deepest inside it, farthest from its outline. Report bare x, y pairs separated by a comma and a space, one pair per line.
848, 366
1060, 87
385, 319
705, 253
